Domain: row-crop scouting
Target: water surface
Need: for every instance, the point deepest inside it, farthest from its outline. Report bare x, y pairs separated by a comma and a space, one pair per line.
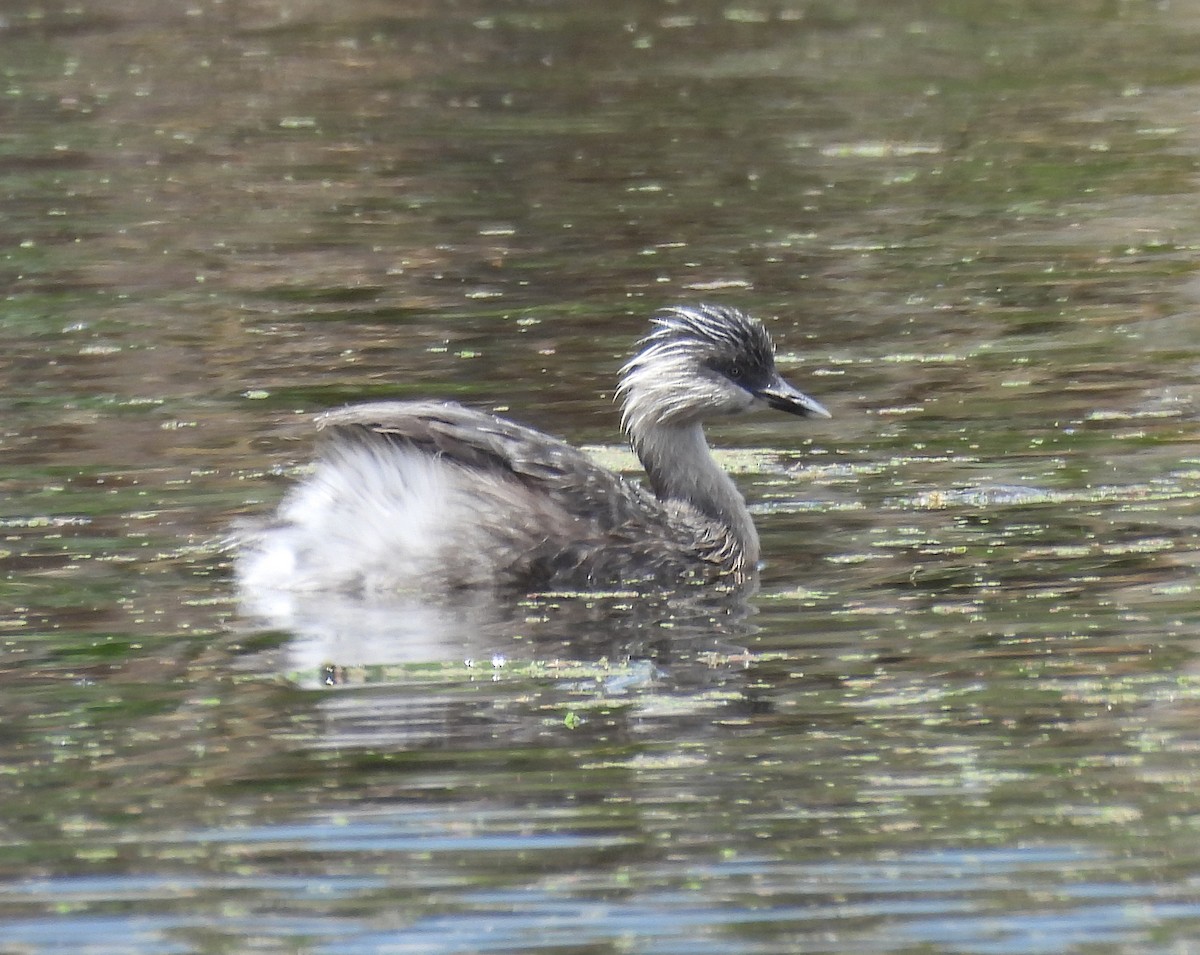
959, 715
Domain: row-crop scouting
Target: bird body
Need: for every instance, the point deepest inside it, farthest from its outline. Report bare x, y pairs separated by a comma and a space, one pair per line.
434, 497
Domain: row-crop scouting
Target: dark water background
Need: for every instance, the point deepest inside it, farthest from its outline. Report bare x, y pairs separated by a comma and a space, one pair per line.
962, 714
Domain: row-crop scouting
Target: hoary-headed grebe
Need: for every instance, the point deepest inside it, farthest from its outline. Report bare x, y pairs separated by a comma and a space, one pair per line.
433, 497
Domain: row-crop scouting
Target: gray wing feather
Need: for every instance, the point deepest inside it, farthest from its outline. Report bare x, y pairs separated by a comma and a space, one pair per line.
619, 531
481, 441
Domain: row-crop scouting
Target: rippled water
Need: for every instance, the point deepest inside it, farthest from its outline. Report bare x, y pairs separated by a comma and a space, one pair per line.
961, 713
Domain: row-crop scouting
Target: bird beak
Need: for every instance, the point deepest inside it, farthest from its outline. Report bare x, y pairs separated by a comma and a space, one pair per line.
783, 397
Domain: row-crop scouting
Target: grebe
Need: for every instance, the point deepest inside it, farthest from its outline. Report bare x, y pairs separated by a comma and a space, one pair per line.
430, 497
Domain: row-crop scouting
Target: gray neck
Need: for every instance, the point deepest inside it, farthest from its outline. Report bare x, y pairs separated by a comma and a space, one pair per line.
681, 468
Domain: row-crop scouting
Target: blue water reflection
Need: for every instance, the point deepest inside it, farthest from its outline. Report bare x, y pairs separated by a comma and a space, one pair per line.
943, 900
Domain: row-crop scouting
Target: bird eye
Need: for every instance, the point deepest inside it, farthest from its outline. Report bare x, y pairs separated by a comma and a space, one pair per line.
734, 372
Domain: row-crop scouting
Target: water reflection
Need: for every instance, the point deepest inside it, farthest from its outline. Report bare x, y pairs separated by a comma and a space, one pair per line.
348, 631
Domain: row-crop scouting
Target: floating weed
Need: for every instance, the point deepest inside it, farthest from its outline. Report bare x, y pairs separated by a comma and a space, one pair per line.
879, 150
566, 673
1017, 495
796, 593
735, 460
